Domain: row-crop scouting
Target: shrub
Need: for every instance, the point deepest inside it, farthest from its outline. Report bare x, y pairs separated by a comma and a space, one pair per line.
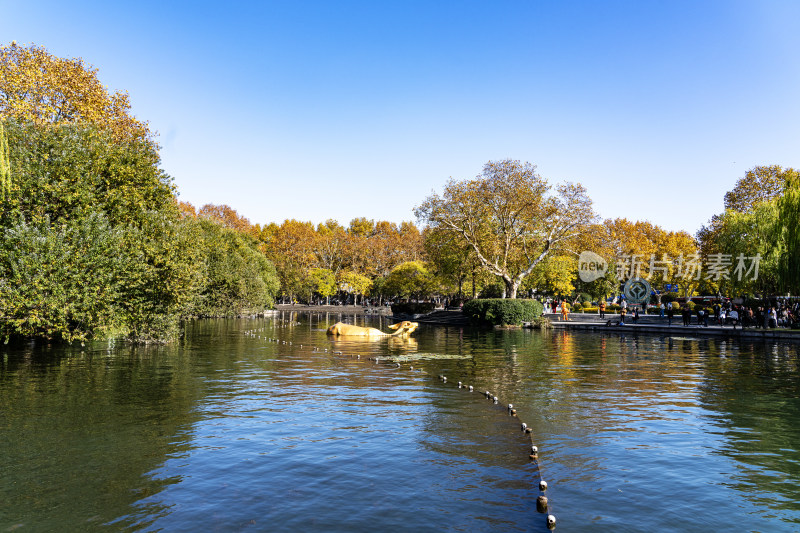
503, 311
412, 308
690, 305
590, 309
577, 308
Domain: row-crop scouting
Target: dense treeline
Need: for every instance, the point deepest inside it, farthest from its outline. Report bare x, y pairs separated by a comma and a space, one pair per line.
761, 219
93, 244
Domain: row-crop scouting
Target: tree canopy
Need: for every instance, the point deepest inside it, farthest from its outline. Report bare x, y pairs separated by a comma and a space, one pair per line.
44, 89
510, 216
759, 184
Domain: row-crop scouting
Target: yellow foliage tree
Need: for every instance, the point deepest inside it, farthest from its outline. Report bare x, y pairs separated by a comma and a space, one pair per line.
510, 218
39, 87
5, 164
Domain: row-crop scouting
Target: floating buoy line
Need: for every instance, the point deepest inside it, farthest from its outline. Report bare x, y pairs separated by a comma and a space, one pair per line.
543, 504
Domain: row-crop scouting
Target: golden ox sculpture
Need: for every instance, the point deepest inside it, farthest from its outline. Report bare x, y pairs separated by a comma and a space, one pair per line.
340, 329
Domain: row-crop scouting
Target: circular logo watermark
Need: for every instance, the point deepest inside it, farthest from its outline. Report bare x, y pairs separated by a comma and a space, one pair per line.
637, 291
591, 267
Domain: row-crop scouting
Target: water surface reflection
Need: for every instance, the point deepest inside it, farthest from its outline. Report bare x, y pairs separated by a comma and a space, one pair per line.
231, 431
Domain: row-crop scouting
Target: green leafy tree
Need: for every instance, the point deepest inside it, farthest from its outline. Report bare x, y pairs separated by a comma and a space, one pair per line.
163, 275
602, 287
354, 283
759, 221
323, 282
62, 282
409, 279
72, 170
237, 277
789, 214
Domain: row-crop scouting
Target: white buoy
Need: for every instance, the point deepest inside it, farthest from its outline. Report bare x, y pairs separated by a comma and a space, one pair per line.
510, 406
444, 378
495, 399
459, 384
534, 450
542, 485
551, 521
524, 426
470, 388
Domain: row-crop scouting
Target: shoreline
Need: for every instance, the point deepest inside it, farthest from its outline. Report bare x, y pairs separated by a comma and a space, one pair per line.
656, 325
384, 310
578, 321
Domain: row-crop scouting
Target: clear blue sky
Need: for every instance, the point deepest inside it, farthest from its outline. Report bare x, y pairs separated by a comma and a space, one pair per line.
324, 109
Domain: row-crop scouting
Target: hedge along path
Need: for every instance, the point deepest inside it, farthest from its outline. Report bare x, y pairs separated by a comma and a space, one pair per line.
543, 503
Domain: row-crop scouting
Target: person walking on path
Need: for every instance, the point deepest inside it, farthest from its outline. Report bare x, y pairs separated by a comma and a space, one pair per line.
670, 313
564, 311
662, 310
602, 309
622, 313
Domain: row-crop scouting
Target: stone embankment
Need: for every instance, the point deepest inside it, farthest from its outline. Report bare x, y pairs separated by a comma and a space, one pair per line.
659, 325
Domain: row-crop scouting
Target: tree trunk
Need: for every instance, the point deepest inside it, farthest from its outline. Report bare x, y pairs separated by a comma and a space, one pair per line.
510, 288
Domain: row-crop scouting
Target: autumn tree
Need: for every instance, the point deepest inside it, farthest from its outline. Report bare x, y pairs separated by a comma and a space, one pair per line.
759, 184
354, 283
330, 246
5, 164
291, 247
510, 216
228, 217
554, 275
38, 87
642, 249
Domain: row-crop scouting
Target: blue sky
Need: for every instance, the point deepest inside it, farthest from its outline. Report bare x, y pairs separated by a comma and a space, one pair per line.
320, 110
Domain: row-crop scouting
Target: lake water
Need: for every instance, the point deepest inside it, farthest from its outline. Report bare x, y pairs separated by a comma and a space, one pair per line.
232, 430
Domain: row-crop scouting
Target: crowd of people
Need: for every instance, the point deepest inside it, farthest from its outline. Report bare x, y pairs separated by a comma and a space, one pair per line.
777, 315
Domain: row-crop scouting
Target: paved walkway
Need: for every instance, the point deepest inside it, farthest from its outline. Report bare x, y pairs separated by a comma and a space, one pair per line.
656, 324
